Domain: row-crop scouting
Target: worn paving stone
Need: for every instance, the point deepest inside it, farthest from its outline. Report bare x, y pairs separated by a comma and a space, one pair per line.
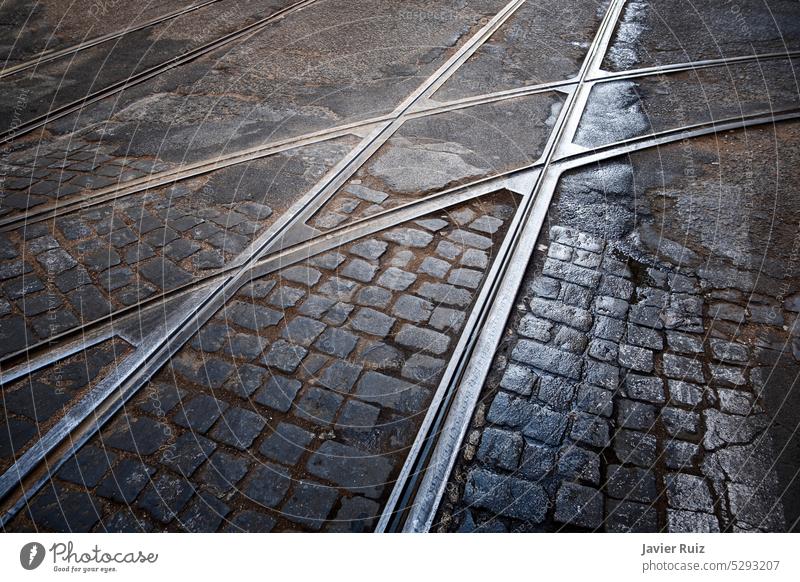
579, 505
507, 496
350, 468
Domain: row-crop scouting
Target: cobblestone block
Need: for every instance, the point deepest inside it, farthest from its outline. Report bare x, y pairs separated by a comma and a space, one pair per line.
688, 492
140, 435
500, 448
356, 515
166, 497
465, 278
636, 415
200, 413
473, 258
636, 358
566, 314
422, 368
581, 240
518, 379
373, 322
340, 376
396, 279
187, 453
546, 287
412, 308
445, 293
627, 516
434, 267
370, 249
410, 237
595, 400
646, 315
556, 392
544, 425
222, 472
691, 522
507, 496
617, 287
726, 429
680, 454
238, 428
559, 252
680, 423
576, 295
647, 388
537, 461
204, 514
267, 484
397, 394
645, 337
610, 307
422, 339
590, 429
683, 368
318, 406
310, 504
577, 464
125, 481
727, 375
736, 402
635, 448
603, 350
569, 340
631, 484
579, 505
548, 359
601, 374
444, 318
279, 393
571, 273
373, 297
608, 328
350, 468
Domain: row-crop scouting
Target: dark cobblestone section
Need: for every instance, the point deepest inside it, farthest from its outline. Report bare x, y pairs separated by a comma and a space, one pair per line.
76, 268
616, 411
38, 173
292, 409
32, 404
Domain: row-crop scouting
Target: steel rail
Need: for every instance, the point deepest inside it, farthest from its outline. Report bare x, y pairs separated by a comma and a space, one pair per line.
415, 497
423, 109
572, 160
49, 55
149, 73
329, 241
31, 471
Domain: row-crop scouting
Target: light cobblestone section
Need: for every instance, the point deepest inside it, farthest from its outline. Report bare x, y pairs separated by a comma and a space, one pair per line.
74, 269
626, 398
294, 407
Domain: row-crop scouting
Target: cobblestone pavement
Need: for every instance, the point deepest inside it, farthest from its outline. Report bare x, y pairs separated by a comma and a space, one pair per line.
294, 406
239, 293
645, 383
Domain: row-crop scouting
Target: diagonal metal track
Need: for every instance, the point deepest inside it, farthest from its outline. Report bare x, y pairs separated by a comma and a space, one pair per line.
149, 73
49, 55
264, 257
415, 498
32, 469
423, 108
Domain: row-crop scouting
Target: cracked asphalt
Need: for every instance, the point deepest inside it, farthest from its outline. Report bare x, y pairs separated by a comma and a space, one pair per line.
248, 249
